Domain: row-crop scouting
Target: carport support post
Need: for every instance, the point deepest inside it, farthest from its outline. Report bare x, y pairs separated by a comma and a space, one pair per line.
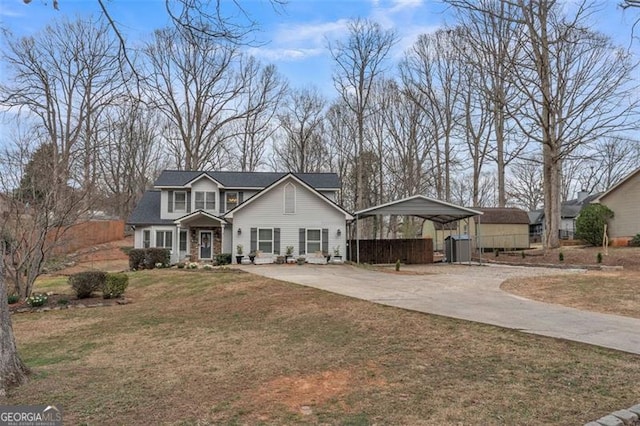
478, 228
357, 241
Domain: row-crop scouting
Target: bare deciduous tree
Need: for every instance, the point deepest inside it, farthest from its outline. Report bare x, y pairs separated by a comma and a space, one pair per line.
302, 148
359, 62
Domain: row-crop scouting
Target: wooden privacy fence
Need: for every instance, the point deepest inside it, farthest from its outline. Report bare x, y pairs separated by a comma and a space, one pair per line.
409, 251
88, 234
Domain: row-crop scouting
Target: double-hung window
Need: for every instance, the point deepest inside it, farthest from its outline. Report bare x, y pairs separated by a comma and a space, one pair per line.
205, 200
180, 201
265, 240
146, 238
164, 239
314, 240
231, 199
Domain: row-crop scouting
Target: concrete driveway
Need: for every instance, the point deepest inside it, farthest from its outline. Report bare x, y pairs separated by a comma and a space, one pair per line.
467, 292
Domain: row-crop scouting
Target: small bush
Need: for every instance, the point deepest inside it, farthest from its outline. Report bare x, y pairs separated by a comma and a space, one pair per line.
496, 252
223, 259
561, 257
85, 283
207, 267
635, 241
599, 257
193, 265
63, 302
397, 265
149, 258
37, 300
13, 298
154, 256
115, 285
136, 259
126, 249
180, 265
522, 253
590, 223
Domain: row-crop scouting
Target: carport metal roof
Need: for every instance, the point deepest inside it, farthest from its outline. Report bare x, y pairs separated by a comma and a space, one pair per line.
420, 206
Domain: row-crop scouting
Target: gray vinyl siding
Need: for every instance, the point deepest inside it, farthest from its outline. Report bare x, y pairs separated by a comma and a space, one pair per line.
311, 212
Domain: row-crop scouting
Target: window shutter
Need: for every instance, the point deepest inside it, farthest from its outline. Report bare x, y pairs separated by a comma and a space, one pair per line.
240, 197
276, 240
303, 241
189, 202
254, 239
222, 202
325, 240
170, 209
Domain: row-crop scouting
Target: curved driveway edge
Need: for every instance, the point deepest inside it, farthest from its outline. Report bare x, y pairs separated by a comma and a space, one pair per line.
467, 292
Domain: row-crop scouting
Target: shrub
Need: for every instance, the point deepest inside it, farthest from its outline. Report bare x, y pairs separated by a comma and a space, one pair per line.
590, 223
496, 252
115, 285
85, 283
180, 265
599, 258
13, 298
63, 302
561, 257
136, 259
397, 265
37, 300
154, 256
149, 258
207, 267
523, 254
223, 259
193, 265
635, 241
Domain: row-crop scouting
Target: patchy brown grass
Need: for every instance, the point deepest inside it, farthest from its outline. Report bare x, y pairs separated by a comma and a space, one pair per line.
627, 257
616, 292
200, 348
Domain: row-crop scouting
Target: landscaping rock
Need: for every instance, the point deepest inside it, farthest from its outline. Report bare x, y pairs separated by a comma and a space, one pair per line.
80, 305
122, 301
610, 421
635, 409
306, 410
592, 424
626, 416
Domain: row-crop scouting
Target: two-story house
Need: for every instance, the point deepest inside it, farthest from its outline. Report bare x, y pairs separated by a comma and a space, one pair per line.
199, 214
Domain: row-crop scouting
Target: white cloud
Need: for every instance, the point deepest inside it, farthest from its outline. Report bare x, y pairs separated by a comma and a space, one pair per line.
4, 11
399, 5
314, 33
285, 54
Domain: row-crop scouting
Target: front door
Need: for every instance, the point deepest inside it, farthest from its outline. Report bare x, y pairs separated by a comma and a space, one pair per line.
205, 244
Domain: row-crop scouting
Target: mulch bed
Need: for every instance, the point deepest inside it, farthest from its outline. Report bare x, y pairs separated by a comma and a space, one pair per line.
56, 302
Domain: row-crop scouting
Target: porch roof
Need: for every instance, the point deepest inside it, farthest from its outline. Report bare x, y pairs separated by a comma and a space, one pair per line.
199, 215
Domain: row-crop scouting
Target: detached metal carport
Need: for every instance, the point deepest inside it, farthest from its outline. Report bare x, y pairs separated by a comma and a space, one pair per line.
418, 206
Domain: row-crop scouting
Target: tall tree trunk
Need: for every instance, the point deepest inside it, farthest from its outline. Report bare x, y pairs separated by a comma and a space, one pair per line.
12, 371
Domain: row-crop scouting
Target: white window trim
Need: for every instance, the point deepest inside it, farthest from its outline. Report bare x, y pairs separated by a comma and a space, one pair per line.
306, 239
195, 197
186, 200
272, 240
284, 198
165, 230
226, 205
200, 242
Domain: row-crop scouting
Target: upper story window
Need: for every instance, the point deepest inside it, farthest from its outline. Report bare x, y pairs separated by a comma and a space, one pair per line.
231, 199
289, 199
180, 201
205, 200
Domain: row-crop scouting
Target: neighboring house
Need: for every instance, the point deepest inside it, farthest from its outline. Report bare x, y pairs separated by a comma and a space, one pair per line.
569, 212
199, 214
624, 200
504, 228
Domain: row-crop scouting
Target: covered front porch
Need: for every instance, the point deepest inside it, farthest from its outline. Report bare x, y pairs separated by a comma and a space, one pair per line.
201, 237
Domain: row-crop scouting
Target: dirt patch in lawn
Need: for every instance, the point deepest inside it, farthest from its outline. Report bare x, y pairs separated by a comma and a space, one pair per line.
108, 257
614, 292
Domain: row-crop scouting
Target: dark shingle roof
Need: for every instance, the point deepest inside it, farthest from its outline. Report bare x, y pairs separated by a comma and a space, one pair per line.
246, 179
503, 215
147, 211
572, 208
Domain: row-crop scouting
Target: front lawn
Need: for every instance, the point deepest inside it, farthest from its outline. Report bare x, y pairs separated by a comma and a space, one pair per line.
196, 347
616, 292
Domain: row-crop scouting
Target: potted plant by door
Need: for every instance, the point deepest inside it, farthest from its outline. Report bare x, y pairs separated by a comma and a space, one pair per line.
288, 254
337, 258
239, 255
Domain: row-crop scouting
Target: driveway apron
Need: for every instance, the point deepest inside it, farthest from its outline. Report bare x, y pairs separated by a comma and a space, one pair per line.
470, 293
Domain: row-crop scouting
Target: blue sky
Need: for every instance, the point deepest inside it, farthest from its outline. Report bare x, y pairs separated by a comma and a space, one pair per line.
294, 38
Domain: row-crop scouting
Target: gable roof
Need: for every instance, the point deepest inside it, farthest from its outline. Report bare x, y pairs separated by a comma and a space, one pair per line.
256, 180
421, 206
297, 178
147, 211
616, 186
199, 214
503, 215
